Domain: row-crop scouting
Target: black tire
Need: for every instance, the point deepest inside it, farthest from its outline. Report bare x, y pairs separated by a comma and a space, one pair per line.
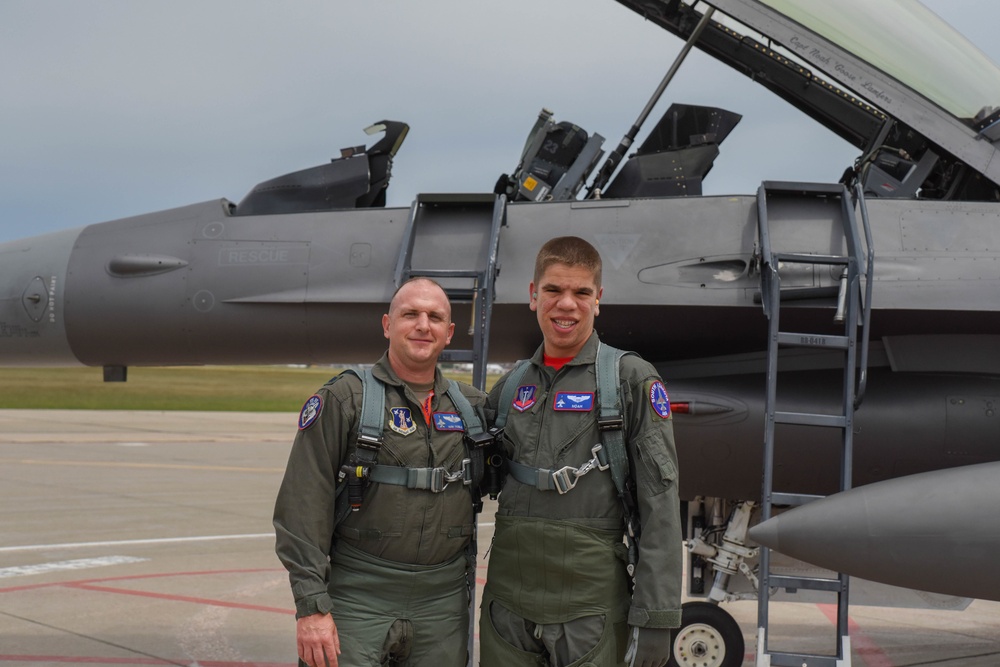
708, 637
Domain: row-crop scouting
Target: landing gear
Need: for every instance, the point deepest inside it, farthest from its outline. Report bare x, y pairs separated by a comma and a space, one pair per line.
708, 637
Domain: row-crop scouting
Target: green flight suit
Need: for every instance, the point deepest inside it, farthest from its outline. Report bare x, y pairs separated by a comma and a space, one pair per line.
560, 558
374, 569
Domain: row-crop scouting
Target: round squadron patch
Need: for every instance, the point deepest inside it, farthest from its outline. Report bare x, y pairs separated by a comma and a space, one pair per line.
310, 412
659, 400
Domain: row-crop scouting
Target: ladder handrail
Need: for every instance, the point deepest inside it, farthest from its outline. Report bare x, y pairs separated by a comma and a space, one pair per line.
771, 300
866, 304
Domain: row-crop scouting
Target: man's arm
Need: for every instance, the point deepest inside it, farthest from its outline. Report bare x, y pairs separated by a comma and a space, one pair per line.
656, 600
304, 518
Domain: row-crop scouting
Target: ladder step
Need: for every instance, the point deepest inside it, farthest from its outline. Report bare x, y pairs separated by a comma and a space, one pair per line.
810, 419
804, 583
813, 340
445, 273
793, 499
801, 188
458, 355
802, 660
806, 258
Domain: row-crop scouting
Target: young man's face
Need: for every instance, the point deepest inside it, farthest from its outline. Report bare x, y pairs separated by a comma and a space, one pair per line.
565, 301
418, 326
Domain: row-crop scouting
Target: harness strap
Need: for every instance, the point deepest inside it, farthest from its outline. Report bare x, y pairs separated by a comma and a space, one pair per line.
610, 420
474, 450
610, 454
425, 479
562, 480
473, 425
369, 442
372, 406
507, 393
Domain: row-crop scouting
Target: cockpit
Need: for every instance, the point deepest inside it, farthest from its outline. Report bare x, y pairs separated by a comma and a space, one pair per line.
918, 101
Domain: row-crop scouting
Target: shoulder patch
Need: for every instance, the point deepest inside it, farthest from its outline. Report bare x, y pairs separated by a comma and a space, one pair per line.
525, 397
310, 412
658, 399
402, 421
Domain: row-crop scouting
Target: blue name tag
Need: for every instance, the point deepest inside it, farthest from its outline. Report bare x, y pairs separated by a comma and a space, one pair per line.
448, 421
574, 401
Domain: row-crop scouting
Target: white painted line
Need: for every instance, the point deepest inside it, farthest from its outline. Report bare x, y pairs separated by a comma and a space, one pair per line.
80, 564
125, 543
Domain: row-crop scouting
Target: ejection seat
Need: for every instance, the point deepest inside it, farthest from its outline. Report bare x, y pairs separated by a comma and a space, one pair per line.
357, 179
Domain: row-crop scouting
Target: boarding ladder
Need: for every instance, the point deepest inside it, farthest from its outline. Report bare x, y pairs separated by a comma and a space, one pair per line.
446, 231
805, 212
454, 239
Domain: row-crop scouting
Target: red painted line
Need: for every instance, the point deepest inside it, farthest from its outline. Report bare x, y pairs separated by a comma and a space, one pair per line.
179, 598
29, 587
86, 660
861, 644
94, 585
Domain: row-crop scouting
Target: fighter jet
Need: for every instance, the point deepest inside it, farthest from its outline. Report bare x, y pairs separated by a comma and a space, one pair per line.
814, 336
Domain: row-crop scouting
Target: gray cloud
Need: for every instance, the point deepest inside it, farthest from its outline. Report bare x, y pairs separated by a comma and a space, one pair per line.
113, 107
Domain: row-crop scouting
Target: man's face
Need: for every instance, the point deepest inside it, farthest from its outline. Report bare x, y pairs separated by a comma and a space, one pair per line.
566, 304
418, 326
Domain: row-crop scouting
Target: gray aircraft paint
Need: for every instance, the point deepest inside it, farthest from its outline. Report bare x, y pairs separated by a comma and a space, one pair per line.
203, 284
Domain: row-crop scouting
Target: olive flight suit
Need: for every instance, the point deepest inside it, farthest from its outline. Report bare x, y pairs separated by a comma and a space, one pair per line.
557, 581
392, 573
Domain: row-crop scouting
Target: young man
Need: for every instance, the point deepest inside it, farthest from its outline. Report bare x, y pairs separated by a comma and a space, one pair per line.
385, 584
557, 590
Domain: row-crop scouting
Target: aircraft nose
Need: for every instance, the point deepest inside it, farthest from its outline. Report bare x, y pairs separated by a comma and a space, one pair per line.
767, 533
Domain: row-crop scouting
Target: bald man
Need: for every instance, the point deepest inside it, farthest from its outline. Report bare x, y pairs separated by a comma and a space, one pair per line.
384, 584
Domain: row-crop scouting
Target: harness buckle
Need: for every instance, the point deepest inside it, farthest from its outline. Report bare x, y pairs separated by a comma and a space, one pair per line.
466, 472
566, 477
612, 423
369, 443
436, 482
598, 461
562, 480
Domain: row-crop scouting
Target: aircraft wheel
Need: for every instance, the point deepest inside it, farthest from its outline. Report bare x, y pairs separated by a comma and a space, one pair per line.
708, 637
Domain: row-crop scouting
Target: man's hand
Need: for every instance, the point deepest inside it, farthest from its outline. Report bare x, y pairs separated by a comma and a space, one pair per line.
318, 641
650, 647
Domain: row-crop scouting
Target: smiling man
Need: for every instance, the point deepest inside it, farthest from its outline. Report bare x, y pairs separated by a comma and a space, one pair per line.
376, 510
559, 586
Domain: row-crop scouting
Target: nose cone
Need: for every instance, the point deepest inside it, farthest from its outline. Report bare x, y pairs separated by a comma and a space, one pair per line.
936, 531
766, 533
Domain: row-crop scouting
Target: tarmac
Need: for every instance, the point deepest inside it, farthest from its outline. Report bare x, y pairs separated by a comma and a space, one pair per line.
144, 538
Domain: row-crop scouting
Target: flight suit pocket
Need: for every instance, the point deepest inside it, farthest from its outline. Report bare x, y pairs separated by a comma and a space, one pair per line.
656, 471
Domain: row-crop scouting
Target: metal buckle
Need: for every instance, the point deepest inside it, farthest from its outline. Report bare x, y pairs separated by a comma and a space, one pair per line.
369, 443
610, 423
438, 480
593, 463
562, 481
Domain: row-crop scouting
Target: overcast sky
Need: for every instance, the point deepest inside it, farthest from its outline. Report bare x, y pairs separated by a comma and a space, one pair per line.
111, 108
